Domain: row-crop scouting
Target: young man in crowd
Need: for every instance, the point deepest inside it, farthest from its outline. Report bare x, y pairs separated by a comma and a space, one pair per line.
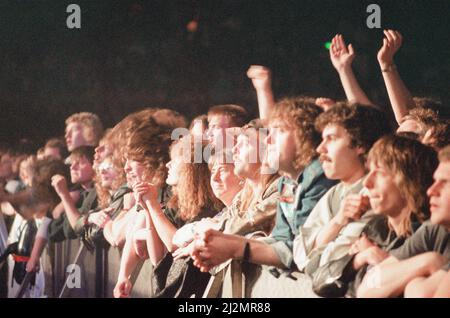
83, 129
83, 196
340, 215
422, 263
291, 141
55, 148
220, 118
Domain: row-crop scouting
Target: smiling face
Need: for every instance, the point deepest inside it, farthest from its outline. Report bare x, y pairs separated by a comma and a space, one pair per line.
439, 194
385, 196
339, 160
134, 171
224, 183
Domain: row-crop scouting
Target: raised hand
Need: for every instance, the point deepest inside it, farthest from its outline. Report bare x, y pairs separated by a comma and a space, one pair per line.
261, 77
391, 44
341, 55
59, 183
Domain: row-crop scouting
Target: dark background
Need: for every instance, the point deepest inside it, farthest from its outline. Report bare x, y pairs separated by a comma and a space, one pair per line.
134, 54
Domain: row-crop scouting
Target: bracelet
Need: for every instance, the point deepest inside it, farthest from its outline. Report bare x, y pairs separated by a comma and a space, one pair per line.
389, 68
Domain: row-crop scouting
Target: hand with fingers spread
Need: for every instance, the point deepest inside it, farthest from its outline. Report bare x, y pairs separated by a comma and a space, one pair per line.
341, 55
261, 77
352, 209
391, 44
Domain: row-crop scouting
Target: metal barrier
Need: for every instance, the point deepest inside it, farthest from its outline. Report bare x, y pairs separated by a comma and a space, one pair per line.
98, 271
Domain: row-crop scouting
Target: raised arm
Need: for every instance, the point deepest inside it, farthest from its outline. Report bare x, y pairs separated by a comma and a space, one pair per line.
342, 57
59, 183
399, 96
262, 81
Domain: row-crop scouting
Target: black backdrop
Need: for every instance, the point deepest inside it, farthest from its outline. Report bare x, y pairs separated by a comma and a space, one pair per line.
133, 54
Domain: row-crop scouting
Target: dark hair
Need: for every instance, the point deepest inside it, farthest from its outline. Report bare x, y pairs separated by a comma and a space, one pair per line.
57, 143
84, 151
365, 124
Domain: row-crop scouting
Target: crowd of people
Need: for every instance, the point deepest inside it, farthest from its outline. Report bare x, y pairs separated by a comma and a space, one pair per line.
330, 189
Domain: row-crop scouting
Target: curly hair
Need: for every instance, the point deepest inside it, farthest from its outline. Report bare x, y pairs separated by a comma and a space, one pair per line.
193, 192
365, 124
90, 121
425, 117
103, 193
300, 114
149, 144
412, 164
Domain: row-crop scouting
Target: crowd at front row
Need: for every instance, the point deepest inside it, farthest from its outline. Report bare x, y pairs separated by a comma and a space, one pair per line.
327, 189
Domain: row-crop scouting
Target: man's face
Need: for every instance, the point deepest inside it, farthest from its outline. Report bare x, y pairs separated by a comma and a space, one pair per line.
245, 154
100, 153
224, 182
439, 194
108, 173
339, 160
75, 136
281, 147
384, 194
81, 170
215, 134
134, 171
52, 152
6, 163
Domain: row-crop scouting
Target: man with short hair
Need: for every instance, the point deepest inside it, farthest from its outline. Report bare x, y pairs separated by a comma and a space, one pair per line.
423, 261
55, 148
221, 117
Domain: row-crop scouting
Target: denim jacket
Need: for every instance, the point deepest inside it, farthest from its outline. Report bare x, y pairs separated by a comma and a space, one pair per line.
297, 199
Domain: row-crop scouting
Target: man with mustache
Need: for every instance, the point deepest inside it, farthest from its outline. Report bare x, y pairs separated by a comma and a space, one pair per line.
421, 266
348, 133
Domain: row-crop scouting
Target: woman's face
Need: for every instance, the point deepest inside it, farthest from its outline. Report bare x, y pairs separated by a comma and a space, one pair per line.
224, 183
134, 171
108, 173
174, 165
